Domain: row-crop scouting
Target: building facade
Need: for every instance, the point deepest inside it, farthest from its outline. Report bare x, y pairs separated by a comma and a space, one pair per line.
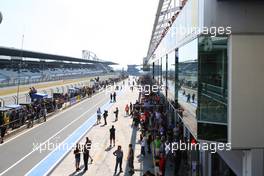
210, 59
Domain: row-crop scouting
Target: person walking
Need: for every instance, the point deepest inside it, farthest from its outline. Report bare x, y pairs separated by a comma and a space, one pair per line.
162, 164
3, 131
143, 144
77, 155
149, 140
86, 153
32, 117
119, 158
188, 98
112, 135
114, 96
193, 97
111, 97
116, 114
131, 108
130, 159
127, 110
44, 112
99, 113
105, 116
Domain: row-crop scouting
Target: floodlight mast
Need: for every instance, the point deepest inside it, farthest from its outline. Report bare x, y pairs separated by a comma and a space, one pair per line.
1, 17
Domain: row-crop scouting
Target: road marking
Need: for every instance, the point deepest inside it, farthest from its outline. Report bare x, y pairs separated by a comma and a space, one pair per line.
46, 165
48, 119
16, 163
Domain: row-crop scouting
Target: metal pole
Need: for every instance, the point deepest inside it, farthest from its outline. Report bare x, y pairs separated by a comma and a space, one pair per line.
18, 83
19, 66
63, 75
15, 99
43, 71
2, 102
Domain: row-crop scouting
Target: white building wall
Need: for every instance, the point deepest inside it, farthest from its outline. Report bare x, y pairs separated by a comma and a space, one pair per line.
246, 91
253, 162
242, 16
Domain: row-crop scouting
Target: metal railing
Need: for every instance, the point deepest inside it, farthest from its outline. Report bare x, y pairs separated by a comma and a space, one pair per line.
14, 82
11, 124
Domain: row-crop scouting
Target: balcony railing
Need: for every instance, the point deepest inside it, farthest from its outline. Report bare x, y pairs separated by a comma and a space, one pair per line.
216, 92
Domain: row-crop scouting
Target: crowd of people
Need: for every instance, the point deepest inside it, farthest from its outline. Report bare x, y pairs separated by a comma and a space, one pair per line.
118, 153
189, 96
150, 116
40, 107
24, 114
85, 149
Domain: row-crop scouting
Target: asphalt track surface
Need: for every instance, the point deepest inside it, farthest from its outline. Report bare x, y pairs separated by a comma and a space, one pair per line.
17, 154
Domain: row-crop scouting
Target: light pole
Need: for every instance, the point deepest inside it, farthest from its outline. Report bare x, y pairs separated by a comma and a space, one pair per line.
1, 17
42, 74
63, 72
19, 67
2, 102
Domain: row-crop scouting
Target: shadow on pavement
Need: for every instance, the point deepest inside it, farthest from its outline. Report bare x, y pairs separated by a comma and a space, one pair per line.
108, 148
146, 162
78, 173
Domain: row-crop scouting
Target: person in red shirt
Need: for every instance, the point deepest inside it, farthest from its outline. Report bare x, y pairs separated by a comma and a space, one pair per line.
157, 99
162, 164
142, 117
146, 113
127, 110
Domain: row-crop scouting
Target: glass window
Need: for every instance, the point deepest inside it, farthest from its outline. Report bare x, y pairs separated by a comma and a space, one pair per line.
164, 74
212, 95
153, 69
171, 76
212, 132
160, 62
188, 76
213, 79
157, 71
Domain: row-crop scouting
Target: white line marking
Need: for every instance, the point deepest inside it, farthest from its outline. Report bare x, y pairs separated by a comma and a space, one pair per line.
48, 119
59, 160
50, 138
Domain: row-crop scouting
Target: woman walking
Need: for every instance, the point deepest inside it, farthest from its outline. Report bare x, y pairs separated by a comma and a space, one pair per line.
77, 154
127, 110
99, 113
130, 159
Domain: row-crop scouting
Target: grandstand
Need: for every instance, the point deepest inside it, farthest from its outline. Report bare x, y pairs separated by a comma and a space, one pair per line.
188, 73
33, 67
134, 70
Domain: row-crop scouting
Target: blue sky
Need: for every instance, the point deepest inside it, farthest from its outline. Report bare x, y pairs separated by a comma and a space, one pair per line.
117, 30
